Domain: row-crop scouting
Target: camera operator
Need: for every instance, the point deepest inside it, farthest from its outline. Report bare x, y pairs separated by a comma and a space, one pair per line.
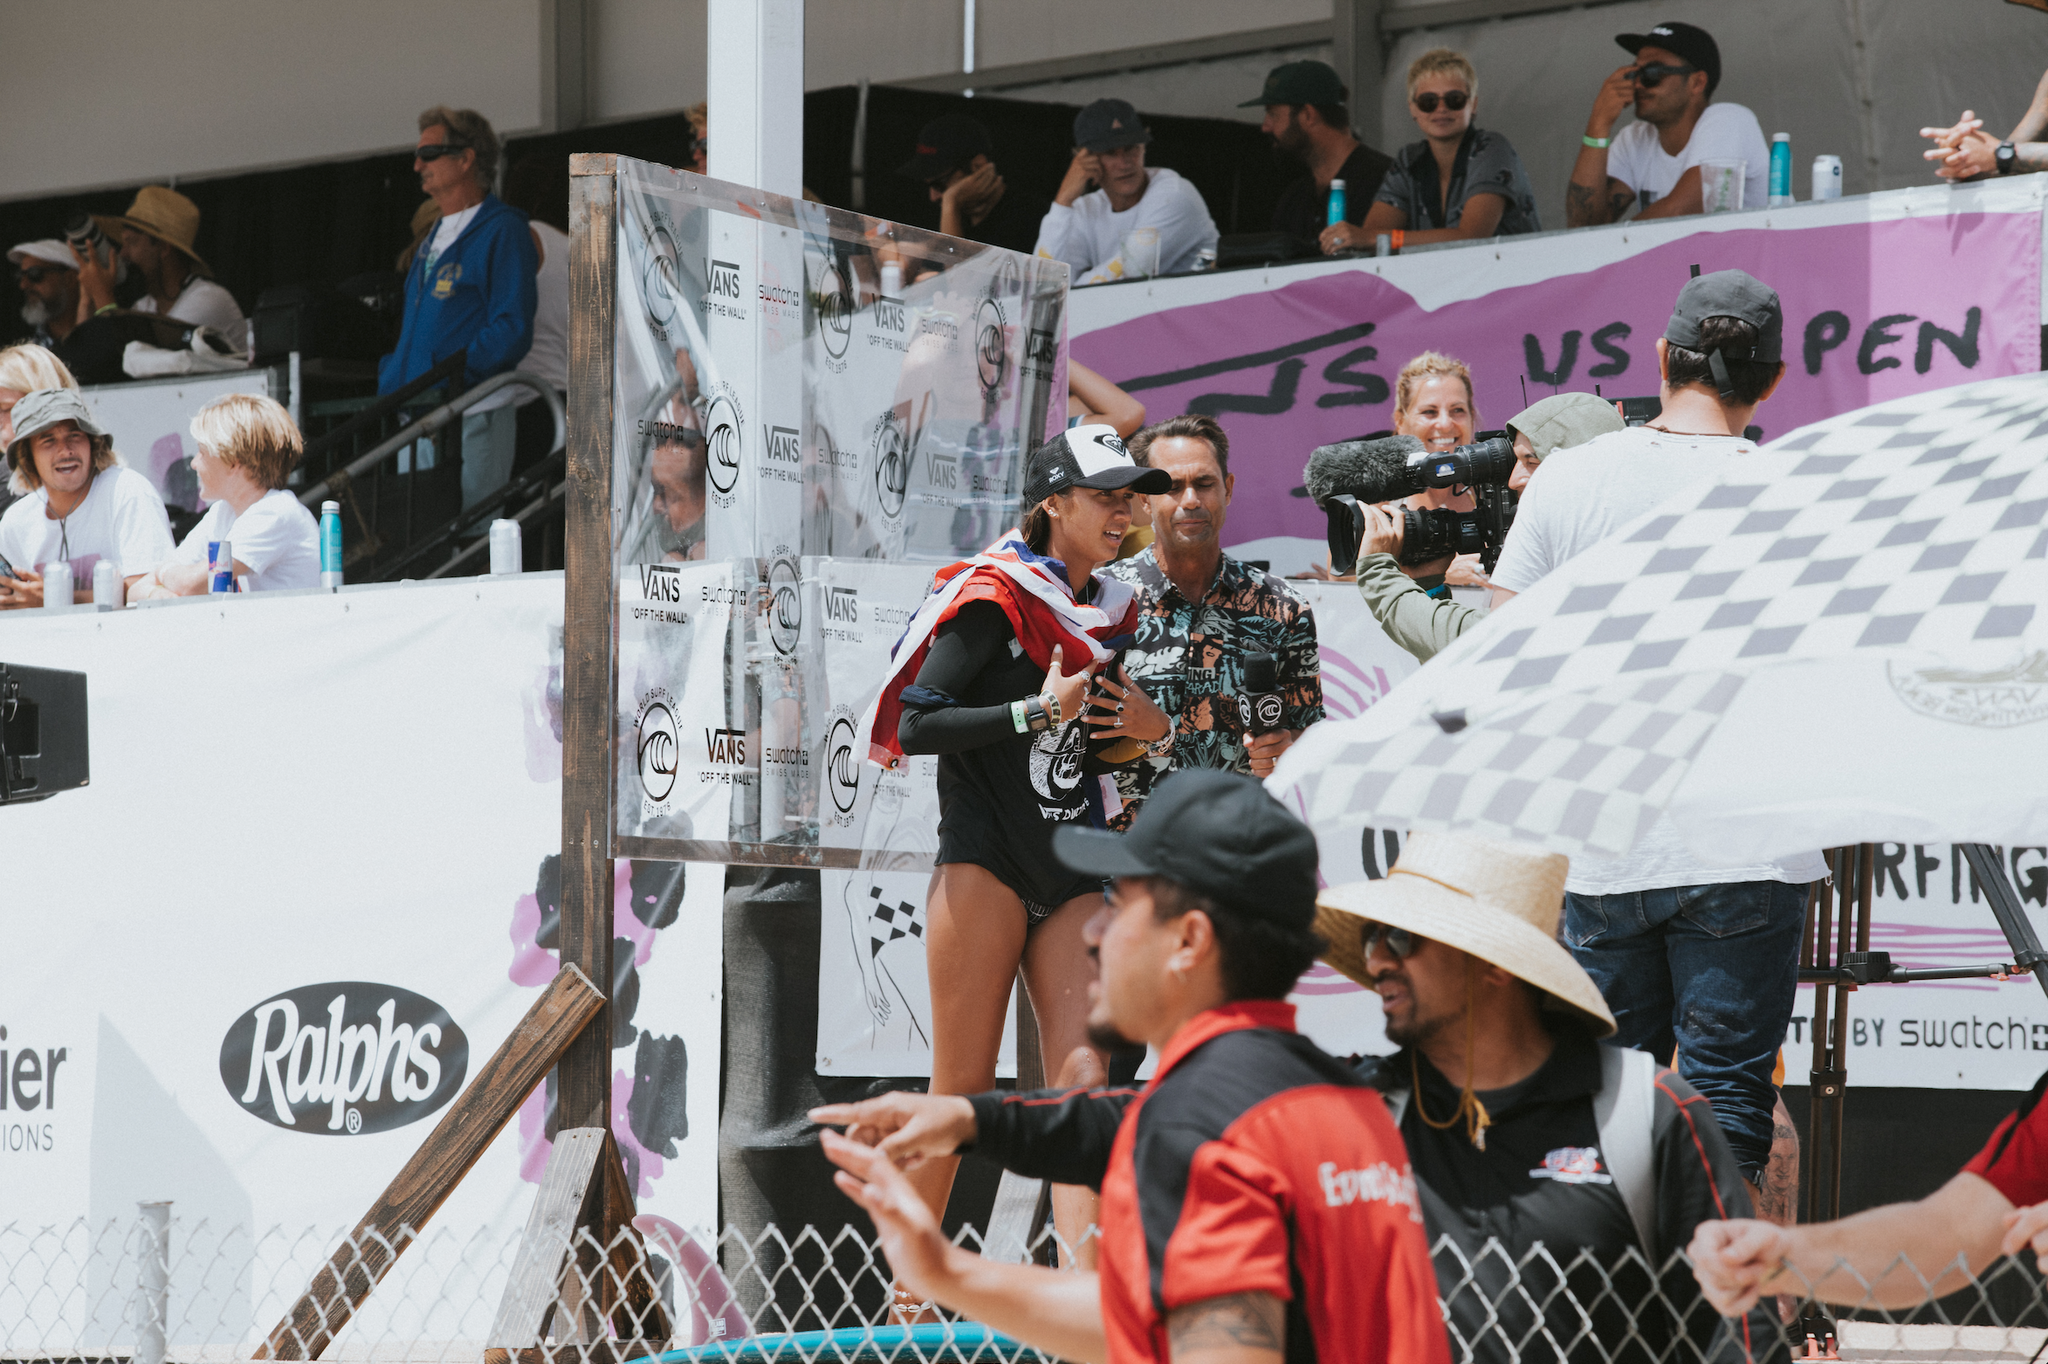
1703, 958
1203, 613
1419, 621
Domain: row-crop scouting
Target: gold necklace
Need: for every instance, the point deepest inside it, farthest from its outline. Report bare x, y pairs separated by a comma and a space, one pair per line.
1469, 1107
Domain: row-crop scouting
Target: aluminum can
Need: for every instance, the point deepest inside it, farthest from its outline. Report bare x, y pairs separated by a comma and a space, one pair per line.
220, 565
108, 591
506, 556
57, 586
1827, 177
330, 544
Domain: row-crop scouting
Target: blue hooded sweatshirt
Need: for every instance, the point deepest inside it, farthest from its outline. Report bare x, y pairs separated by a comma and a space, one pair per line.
477, 295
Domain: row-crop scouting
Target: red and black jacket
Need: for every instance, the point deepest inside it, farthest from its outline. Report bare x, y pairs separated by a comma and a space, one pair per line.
1253, 1162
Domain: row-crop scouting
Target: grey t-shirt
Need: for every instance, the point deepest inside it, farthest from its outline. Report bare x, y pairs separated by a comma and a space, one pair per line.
1486, 164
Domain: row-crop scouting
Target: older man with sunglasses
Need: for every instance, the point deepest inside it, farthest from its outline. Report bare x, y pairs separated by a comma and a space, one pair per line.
1655, 161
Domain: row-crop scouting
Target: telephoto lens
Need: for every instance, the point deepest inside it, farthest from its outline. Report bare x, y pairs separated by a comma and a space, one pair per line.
85, 235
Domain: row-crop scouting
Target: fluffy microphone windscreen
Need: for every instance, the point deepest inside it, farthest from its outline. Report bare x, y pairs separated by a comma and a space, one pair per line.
1372, 470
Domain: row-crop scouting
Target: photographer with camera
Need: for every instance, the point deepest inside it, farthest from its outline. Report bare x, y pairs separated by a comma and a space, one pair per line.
158, 236
1701, 958
1415, 619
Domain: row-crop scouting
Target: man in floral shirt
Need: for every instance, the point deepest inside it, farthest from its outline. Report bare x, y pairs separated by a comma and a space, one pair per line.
1203, 614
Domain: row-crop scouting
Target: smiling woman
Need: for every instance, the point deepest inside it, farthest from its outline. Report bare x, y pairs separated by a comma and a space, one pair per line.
982, 679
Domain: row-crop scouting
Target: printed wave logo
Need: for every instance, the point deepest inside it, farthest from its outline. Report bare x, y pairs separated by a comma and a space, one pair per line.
785, 606
725, 441
891, 459
842, 767
835, 309
657, 747
658, 276
1262, 712
344, 1058
991, 349
1998, 698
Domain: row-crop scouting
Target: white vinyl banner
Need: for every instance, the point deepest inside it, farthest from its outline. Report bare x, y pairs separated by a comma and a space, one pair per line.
311, 888
874, 1001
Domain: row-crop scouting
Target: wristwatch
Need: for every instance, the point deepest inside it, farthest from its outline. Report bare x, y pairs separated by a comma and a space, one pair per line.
2006, 158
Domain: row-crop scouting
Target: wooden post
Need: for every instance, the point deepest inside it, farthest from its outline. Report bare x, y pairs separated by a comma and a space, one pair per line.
583, 1086
563, 1011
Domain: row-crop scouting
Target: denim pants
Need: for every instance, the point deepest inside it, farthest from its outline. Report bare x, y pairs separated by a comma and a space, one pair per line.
1709, 971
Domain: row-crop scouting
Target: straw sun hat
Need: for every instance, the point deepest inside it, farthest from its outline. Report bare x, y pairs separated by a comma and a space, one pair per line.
1498, 901
166, 215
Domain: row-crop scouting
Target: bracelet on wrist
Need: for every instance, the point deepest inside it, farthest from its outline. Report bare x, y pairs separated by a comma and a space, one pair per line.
1599, 143
1052, 710
1017, 717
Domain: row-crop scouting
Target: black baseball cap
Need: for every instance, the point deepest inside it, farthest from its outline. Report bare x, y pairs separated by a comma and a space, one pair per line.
1695, 45
1305, 82
1729, 293
1108, 124
1088, 457
948, 143
1217, 833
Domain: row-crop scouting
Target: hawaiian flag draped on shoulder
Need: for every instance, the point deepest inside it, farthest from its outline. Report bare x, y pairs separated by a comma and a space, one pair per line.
1034, 593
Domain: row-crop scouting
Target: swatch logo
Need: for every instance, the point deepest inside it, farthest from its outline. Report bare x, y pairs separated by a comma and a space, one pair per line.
344, 1058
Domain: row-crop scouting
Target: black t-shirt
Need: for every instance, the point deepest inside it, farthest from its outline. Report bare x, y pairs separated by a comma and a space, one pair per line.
1303, 208
1001, 793
1012, 224
1543, 1180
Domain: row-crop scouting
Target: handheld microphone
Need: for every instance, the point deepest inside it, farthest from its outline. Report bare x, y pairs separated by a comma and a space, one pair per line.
1260, 705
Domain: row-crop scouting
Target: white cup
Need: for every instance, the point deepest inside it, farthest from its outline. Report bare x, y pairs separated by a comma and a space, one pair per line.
1141, 252
1721, 185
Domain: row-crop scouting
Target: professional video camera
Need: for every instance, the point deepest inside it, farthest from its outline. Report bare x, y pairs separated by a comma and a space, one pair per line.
1341, 476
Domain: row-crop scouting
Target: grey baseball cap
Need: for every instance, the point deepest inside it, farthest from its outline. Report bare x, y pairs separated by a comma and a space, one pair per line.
1563, 420
44, 408
1729, 293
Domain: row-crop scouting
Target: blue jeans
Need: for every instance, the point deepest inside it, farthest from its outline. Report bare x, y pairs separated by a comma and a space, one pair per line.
1709, 971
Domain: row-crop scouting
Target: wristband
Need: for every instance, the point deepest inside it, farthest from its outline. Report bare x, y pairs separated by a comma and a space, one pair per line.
1017, 716
109, 308
1598, 143
1052, 710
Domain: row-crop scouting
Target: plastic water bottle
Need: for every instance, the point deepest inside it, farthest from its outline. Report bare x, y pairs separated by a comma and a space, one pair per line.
57, 586
506, 556
109, 593
220, 566
1781, 170
330, 545
1337, 204
1827, 177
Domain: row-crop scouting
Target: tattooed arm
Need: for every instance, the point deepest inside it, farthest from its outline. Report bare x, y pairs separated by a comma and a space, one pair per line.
1237, 1328
1593, 196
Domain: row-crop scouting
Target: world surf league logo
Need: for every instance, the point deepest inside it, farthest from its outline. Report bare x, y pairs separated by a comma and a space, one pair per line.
891, 457
991, 348
345, 1058
833, 308
660, 285
725, 443
842, 765
656, 748
785, 606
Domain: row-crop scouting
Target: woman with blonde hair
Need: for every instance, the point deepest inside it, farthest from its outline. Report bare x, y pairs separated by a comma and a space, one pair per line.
1459, 182
247, 446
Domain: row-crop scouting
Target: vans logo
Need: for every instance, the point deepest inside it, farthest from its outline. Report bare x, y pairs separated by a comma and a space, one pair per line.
783, 445
842, 604
344, 1058
725, 280
944, 470
661, 582
1998, 698
889, 314
725, 746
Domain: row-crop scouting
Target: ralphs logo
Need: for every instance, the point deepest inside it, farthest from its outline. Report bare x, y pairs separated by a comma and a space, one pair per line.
344, 1058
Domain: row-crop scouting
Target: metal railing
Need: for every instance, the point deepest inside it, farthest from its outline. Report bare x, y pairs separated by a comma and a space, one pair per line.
153, 1290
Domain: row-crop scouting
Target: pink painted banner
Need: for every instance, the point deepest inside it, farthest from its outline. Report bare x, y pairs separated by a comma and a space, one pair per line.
1872, 311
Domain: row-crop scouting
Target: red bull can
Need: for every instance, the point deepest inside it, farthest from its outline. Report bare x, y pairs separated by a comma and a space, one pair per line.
220, 566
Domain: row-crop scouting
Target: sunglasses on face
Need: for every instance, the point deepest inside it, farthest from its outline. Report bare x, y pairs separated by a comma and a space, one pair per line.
1655, 72
1453, 100
1397, 943
34, 274
434, 151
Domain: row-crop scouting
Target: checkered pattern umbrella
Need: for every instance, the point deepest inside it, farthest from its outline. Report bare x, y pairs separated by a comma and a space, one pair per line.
1835, 640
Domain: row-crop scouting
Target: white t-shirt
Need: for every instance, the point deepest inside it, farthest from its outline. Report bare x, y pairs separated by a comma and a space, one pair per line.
204, 303
122, 519
1090, 238
549, 358
277, 539
1725, 132
447, 230
1576, 499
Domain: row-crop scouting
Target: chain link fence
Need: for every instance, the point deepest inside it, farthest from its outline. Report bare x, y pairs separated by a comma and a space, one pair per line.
155, 1289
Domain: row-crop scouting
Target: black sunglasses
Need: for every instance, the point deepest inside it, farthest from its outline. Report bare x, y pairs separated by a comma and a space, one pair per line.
434, 151
1655, 72
1453, 100
35, 274
1398, 943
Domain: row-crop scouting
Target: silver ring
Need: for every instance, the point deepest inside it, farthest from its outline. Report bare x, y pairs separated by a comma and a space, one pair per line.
1119, 723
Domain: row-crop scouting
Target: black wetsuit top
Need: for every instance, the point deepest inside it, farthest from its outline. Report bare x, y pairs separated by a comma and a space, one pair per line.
1001, 793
